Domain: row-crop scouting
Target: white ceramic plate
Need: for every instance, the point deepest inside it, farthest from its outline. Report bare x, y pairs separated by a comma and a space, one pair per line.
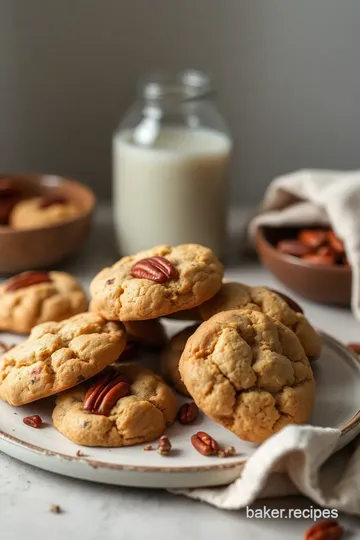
337, 375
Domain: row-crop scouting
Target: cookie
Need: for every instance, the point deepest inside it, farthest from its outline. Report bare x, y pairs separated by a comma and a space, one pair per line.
59, 355
186, 315
42, 212
157, 282
249, 373
149, 333
170, 358
32, 298
147, 407
238, 296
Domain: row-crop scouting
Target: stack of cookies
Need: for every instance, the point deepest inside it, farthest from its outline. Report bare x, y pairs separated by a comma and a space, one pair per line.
245, 362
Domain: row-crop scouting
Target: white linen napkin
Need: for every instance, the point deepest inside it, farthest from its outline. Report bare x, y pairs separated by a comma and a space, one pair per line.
294, 461
311, 197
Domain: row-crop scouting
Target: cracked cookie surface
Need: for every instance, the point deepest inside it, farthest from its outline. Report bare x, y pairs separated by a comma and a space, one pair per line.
28, 214
238, 296
54, 300
249, 373
59, 355
139, 417
117, 295
170, 358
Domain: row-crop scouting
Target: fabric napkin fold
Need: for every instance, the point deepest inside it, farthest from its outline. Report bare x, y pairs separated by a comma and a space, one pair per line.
294, 461
317, 197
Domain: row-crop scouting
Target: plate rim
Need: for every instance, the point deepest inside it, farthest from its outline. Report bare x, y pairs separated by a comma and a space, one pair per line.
351, 424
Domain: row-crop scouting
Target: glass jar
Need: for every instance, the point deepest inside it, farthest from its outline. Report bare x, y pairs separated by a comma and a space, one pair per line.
170, 166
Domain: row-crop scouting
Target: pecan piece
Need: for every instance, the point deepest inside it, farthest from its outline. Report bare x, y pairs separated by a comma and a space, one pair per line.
26, 279
293, 247
313, 238
105, 392
156, 269
354, 347
328, 529
290, 302
50, 200
33, 421
336, 244
187, 413
164, 446
324, 255
204, 444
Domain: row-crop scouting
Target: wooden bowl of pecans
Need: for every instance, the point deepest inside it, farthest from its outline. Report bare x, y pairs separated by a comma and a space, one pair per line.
43, 220
310, 261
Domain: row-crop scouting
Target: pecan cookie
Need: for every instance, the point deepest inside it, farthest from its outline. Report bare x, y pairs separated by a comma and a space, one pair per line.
280, 307
171, 356
249, 373
59, 355
156, 282
42, 212
32, 298
123, 407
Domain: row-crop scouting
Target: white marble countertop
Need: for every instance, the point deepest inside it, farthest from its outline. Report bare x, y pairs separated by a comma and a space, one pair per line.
94, 511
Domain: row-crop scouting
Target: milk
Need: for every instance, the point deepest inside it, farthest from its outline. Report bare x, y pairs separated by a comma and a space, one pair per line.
171, 192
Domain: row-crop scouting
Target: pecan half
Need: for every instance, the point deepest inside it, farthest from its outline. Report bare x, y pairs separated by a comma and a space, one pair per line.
290, 302
293, 247
328, 529
313, 237
33, 421
164, 446
336, 244
50, 200
156, 269
324, 255
354, 347
26, 279
204, 444
106, 392
187, 413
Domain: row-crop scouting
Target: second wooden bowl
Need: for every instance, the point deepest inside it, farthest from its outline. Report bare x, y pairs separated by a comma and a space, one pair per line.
320, 283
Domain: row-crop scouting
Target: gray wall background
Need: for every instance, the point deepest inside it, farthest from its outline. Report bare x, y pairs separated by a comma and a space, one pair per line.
287, 71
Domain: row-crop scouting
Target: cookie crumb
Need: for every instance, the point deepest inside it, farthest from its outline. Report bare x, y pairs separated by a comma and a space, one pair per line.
80, 453
55, 509
227, 452
147, 448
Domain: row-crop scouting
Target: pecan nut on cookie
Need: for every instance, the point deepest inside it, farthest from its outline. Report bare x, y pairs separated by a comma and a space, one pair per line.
156, 282
121, 407
59, 355
276, 305
32, 298
43, 211
170, 358
249, 373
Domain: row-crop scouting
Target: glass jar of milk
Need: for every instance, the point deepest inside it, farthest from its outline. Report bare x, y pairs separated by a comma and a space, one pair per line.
170, 166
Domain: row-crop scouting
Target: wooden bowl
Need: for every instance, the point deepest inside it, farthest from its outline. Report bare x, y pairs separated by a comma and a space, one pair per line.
320, 283
43, 247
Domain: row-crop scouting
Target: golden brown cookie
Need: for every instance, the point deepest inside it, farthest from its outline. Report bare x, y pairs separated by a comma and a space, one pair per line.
170, 358
149, 333
35, 297
59, 355
42, 212
156, 282
238, 296
147, 408
249, 373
